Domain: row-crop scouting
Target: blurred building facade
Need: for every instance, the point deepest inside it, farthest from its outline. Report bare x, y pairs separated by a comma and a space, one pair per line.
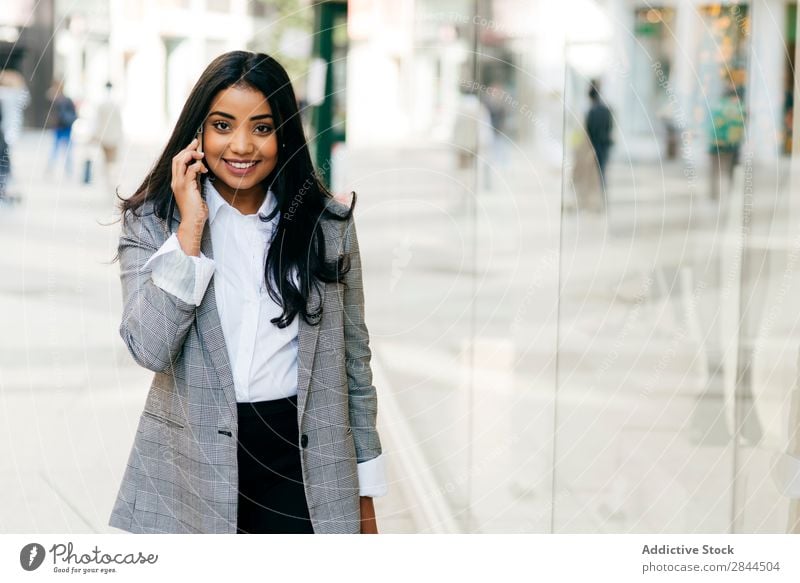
706, 46
420, 48
151, 51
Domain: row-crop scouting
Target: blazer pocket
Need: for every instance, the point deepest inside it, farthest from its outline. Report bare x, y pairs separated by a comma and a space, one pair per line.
163, 419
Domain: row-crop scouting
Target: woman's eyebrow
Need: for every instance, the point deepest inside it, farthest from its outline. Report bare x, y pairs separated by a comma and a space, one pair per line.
229, 116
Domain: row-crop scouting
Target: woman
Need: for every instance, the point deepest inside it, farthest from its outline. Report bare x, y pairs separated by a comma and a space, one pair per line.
245, 299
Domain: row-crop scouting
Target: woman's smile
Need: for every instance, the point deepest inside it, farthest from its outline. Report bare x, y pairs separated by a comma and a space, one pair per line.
239, 167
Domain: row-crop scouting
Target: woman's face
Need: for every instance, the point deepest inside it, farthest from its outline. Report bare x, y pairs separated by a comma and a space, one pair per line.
240, 142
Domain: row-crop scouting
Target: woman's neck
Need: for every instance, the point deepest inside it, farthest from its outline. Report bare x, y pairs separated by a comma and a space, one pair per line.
246, 202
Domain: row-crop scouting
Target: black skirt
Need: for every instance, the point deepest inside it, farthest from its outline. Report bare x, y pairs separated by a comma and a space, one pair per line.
272, 498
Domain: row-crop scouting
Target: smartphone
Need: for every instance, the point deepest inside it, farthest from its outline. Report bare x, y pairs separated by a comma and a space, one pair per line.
199, 137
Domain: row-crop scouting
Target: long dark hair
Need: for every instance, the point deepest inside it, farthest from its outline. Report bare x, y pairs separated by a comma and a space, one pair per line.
298, 243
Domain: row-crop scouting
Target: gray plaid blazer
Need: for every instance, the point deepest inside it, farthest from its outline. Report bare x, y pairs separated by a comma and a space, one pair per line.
181, 475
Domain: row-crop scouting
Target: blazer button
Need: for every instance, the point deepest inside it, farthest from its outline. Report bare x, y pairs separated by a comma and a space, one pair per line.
304, 440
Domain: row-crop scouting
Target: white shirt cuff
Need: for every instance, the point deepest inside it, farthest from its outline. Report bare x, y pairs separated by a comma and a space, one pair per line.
185, 277
372, 478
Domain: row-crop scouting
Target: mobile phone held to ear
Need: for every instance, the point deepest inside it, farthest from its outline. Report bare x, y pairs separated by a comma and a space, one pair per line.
199, 137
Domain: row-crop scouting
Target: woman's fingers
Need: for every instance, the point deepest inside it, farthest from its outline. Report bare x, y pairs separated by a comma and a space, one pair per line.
186, 155
183, 161
192, 171
184, 174
192, 147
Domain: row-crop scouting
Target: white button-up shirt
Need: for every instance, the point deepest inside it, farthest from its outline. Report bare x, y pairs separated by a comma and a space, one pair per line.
263, 357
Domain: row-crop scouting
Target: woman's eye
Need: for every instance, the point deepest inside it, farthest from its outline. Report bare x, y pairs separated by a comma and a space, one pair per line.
261, 128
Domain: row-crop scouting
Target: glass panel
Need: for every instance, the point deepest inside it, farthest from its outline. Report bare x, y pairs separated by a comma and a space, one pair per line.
650, 273
516, 211
764, 396
467, 249
431, 274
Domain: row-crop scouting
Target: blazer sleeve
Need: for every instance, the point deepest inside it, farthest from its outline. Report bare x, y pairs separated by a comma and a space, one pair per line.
154, 322
362, 395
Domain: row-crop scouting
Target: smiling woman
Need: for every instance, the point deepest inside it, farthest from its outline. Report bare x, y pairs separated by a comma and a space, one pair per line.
243, 294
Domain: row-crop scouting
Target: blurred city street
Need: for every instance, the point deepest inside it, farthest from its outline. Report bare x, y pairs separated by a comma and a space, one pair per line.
579, 246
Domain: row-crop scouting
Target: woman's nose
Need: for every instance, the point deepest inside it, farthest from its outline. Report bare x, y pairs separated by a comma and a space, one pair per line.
240, 142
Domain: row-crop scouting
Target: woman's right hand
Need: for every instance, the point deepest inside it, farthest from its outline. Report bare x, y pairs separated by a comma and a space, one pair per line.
187, 165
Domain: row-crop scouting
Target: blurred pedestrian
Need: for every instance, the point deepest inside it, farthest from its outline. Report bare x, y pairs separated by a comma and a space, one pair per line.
14, 98
788, 120
726, 130
107, 132
5, 160
62, 115
497, 100
599, 126
584, 179
666, 114
472, 130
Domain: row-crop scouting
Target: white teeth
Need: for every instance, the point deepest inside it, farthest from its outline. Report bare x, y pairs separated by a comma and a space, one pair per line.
241, 165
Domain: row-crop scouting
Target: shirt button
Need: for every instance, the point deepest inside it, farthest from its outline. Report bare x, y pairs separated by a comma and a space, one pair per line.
304, 440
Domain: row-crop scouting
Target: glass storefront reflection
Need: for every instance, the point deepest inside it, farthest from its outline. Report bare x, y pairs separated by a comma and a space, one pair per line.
575, 351
671, 410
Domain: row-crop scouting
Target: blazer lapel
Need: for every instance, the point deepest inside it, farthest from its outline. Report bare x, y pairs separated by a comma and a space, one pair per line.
307, 336
208, 323
210, 328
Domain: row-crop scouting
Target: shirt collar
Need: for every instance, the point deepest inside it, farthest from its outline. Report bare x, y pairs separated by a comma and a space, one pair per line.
215, 202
